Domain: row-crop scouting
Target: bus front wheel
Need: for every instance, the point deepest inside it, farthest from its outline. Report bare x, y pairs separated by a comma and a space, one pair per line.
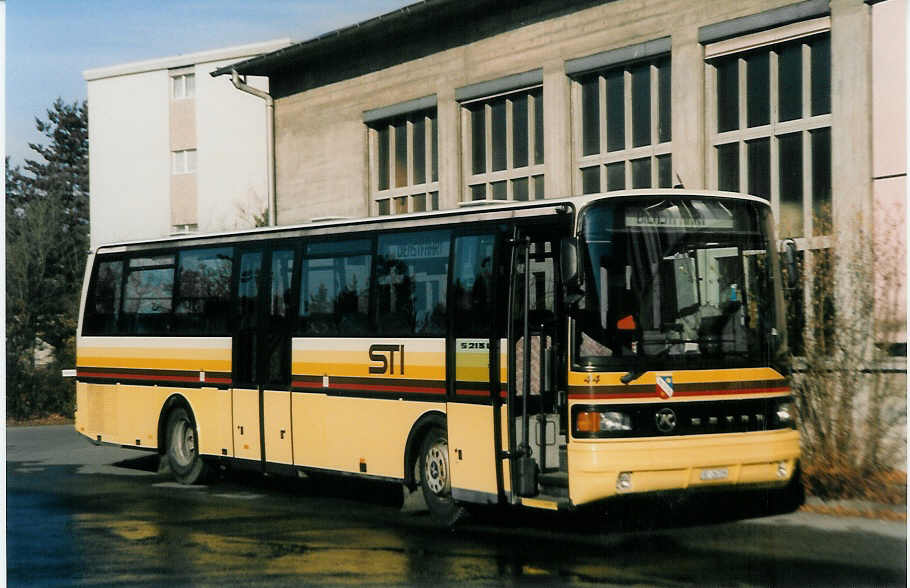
435, 478
183, 449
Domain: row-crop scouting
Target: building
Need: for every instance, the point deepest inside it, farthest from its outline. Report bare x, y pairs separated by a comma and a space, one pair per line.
446, 101
172, 149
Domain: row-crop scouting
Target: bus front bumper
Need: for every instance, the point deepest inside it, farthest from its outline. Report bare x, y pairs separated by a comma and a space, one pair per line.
600, 469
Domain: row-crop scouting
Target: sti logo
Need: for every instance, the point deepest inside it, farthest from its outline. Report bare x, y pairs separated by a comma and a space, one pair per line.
665, 386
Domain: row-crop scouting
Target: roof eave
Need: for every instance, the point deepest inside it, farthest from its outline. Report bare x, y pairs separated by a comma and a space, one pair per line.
266, 64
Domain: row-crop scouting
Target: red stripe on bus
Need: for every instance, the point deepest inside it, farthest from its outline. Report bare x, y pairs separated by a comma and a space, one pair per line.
468, 392
305, 384
379, 388
653, 394
368, 387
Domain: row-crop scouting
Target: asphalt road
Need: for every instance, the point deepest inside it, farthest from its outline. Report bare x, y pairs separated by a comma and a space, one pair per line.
80, 514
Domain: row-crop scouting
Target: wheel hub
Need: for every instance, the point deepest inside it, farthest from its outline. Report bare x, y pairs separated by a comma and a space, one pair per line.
437, 468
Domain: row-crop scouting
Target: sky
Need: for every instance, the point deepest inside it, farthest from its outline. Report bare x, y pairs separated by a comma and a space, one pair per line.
49, 43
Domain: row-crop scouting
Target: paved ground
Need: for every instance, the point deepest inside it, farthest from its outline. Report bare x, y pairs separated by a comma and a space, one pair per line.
79, 514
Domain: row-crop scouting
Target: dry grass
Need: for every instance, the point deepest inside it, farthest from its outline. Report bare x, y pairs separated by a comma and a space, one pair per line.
839, 482
843, 511
51, 419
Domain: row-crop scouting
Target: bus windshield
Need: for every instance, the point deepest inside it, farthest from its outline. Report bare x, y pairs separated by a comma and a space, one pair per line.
677, 282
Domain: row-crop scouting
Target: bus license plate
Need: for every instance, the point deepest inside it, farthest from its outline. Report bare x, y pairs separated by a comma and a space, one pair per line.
714, 474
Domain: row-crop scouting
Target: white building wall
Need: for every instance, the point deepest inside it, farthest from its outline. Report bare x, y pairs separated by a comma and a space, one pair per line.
129, 157
231, 143
130, 146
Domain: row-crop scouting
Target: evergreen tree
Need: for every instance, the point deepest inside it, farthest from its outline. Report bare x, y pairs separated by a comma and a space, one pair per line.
47, 215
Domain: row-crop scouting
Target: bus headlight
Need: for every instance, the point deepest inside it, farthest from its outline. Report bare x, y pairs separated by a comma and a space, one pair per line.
594, 422
785, 414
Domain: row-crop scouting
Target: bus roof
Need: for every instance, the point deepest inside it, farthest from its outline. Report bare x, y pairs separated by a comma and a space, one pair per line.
492, 211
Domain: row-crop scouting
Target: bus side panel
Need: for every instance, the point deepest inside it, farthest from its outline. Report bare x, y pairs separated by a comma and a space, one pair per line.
355, 435
212, 409
245, 404
121, 414
356, 400
472, 450
276, 408
124, 382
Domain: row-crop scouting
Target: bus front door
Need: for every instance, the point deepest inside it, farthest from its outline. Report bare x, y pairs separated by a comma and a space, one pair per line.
534, 353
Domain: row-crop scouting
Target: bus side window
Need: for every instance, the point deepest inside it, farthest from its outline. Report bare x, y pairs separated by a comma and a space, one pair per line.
102, 315
411, 276
203, 291
148, 296
472, 285
335, 289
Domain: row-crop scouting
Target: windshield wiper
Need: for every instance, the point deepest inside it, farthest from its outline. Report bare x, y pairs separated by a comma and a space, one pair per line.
637, 373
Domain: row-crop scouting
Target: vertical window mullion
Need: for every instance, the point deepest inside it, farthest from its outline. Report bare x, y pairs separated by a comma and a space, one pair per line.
373, 153
627, 107
741, 117
510, 147
428, 149
392, 150
743, 90
488, 147
774, 114
808, 200
808, 204
655, 122
532, 135
602, 108
743, 166
409, 151
807, 80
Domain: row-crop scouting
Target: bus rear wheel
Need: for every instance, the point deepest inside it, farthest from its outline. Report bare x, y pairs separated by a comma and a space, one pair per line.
183, 449
435, 479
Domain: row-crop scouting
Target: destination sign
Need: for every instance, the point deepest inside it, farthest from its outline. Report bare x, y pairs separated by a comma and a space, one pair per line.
674, 217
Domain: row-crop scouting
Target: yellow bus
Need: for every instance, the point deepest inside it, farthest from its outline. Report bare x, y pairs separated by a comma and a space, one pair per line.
550, 354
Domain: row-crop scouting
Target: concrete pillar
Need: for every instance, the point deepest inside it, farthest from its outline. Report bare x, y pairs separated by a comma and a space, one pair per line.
851, 158
449, 145
688, 107
557, 130
851, 113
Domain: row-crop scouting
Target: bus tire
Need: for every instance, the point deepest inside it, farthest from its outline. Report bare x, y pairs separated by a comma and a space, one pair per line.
183, 449
435, 478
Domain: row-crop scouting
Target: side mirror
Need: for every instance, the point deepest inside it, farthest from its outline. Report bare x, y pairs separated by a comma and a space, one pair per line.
790, 262
570, 264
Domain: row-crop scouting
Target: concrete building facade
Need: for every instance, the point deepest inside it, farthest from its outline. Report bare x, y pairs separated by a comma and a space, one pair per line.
172, 149
444, 101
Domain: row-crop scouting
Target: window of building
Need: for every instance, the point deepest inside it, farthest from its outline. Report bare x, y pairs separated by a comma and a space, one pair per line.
184, 161
621, 126
184, 86
404, 163
769, 129
504, 147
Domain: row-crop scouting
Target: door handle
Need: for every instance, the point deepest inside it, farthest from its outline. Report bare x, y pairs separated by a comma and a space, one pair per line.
282, 433
241, 429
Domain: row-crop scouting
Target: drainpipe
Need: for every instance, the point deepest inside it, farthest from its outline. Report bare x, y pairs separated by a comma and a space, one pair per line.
269, 137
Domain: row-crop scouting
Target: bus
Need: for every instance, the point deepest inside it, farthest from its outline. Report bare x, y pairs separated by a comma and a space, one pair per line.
551, 354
